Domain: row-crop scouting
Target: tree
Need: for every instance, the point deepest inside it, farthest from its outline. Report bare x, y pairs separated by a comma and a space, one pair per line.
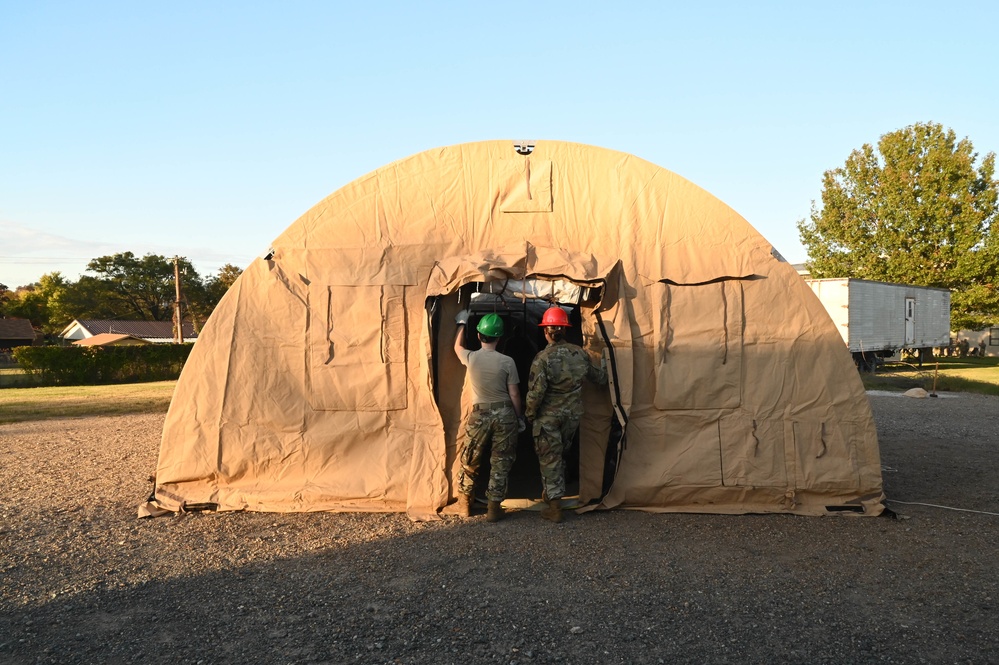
124, 287
916, 210
218, 284
142, 288
89, 298
38, 302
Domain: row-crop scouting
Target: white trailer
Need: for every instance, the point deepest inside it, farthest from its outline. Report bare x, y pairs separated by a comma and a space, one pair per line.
879, 319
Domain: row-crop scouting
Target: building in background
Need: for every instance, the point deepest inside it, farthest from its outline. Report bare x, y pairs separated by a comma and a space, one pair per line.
15, 332
111, 339
157, 332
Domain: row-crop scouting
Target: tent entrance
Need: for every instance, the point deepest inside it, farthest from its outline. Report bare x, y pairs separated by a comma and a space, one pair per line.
521, 304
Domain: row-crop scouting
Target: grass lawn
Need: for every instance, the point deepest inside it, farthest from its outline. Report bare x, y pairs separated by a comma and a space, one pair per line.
20, 404
973, 375
14, 377
977, 375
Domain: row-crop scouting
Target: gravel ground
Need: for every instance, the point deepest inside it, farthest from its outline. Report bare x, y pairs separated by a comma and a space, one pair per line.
83, 581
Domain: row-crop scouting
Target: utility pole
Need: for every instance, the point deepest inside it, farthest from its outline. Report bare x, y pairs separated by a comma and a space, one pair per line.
178, 321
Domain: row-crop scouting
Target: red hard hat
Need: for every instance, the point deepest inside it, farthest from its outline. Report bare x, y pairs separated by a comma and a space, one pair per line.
555, 317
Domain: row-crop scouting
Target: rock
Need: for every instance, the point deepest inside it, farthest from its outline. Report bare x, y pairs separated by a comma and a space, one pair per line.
918, 393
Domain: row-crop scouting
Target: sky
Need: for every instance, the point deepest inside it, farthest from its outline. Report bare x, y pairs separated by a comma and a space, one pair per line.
204, 129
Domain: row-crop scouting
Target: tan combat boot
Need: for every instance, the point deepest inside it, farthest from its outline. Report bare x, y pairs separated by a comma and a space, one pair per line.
464, 505
553, 511
494, 513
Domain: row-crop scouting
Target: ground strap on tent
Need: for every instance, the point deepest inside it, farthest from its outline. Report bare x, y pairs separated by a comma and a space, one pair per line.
933, 505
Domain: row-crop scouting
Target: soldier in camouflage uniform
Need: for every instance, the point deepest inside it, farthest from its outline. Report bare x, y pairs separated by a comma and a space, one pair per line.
495, 416
555, 404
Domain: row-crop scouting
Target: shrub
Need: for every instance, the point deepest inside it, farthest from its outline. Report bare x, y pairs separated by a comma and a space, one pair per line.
83, 365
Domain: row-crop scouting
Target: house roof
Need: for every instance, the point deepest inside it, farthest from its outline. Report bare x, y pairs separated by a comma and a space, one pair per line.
109, 339
16, 329
141, 329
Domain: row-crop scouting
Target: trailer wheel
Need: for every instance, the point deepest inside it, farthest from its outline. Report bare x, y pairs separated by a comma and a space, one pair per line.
865, 362
925, 355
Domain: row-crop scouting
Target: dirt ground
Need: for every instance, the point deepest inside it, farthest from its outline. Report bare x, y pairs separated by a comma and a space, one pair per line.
83, 581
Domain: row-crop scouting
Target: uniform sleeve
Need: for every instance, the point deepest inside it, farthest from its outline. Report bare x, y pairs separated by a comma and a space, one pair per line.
536, 388
463, 356
594, 373
597, 375
513, 377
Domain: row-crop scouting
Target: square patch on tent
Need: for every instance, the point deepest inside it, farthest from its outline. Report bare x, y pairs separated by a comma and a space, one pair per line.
826, 455
525, 185
699, 345
357, 346
752, 452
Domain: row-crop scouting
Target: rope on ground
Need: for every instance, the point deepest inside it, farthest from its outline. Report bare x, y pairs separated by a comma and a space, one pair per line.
933, 505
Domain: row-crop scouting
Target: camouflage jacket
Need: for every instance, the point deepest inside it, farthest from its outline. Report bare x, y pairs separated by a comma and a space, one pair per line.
557, 375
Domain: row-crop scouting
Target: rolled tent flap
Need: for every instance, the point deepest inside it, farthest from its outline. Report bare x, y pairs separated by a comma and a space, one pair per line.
451, 273
527, 260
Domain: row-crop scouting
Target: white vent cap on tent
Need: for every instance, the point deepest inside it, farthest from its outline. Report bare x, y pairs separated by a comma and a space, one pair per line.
523, 147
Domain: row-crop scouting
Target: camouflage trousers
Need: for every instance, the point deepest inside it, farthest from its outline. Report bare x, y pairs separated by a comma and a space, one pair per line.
553, 433
495, 426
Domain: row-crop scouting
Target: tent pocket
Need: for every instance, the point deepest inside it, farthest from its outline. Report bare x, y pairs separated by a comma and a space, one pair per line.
684, 452
525, 185
699, 345
826, 455
752, 452
357, 348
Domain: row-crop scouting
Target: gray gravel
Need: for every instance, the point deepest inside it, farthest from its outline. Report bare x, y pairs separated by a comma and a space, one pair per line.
83, 581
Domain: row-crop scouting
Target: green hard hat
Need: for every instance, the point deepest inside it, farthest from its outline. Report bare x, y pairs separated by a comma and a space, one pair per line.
490, 325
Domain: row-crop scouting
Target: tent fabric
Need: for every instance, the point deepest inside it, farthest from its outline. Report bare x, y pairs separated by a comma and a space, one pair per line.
321, 383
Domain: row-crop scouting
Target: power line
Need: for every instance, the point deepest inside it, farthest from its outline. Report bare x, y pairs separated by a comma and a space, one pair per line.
41, 259
934, 505
50, 259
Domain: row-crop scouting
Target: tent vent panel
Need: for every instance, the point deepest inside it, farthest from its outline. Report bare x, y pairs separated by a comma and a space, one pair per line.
699, 341
357, 348
825, 454
523, 147
525, 185
198, 507
752, 452
689, 454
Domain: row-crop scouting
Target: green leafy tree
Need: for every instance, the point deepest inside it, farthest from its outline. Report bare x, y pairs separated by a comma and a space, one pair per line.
123, 286
201, 298
89, 298
918, 209
142, 288
217, 285
38, 302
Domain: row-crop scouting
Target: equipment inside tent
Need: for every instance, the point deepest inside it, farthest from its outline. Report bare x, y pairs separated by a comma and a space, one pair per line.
326, 380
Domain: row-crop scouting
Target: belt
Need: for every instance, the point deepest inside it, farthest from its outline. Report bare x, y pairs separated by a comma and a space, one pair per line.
489, 406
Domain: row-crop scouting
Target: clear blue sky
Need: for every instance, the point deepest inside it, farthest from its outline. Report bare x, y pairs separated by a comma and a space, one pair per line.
205, 128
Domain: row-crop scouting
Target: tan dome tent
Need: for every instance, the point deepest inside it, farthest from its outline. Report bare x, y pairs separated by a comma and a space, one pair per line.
325, 379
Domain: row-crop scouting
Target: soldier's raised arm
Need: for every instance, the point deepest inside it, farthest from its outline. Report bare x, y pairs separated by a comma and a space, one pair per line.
597, 374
